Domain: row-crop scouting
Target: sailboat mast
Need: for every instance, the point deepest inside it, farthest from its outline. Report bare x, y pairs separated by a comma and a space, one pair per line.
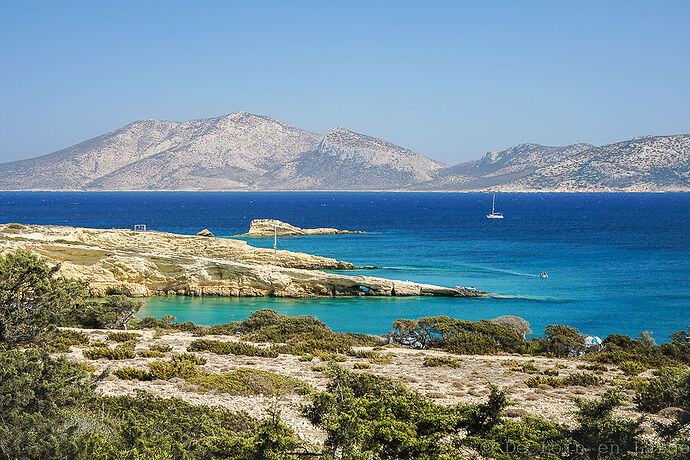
493, 204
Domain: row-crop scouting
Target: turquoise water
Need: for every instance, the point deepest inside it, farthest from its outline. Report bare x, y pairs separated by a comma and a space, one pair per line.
616, 262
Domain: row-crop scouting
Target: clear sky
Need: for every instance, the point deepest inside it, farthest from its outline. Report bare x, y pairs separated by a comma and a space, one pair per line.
451, 80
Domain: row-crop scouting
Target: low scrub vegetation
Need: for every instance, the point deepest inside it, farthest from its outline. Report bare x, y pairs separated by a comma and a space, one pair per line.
242, 381
581, 379
122, 351
231, 348
123, 336
49, 407
438, 361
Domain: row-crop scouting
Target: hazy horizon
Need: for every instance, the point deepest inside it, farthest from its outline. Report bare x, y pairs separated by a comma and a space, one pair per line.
451, 81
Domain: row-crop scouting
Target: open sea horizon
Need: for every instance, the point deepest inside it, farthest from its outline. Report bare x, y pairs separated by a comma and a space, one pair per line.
617, 262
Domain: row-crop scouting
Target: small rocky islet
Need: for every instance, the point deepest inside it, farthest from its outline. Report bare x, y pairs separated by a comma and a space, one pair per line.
270, 227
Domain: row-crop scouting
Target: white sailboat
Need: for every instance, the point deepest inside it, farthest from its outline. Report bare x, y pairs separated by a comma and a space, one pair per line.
494, 214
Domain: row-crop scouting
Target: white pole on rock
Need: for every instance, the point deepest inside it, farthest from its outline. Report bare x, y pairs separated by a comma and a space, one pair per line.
275, 243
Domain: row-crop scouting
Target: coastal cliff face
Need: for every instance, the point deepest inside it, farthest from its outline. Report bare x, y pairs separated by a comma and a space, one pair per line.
157, 263
269, 227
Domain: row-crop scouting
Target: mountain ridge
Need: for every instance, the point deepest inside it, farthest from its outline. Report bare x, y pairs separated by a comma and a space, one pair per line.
245, 151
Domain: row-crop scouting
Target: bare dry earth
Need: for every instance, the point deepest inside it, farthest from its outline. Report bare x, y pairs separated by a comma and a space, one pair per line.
444, 385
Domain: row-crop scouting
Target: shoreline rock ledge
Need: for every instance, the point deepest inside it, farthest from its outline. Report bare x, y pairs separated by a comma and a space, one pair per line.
267, 227
141, 264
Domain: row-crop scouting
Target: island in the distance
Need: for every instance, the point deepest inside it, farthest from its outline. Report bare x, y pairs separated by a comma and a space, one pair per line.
270, 227
147, 263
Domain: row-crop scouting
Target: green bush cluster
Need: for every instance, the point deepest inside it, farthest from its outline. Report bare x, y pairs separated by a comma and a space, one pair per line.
112, 312
632, 367
578, 379
65, 338
361, 366
459, 336
641, 354
120, 336
150, 354
366, 416
161, 348
130, 373
241, 381
231, 348
593, 367
670, 387
438, 361
247, 381
528, 368
122, 351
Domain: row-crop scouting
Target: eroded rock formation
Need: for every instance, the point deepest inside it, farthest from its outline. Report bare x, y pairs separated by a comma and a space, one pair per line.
267, 227
152, 263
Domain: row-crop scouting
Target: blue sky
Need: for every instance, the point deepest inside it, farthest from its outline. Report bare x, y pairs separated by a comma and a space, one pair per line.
451, 80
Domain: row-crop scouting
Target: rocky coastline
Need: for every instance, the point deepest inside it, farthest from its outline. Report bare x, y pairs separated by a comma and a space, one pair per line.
141, 264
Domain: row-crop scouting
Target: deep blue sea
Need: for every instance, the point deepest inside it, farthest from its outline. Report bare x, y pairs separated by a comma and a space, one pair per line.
617, 263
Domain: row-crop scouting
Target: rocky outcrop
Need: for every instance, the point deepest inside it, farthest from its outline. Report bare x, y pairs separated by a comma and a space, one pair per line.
152, 263
268, 227
205, 232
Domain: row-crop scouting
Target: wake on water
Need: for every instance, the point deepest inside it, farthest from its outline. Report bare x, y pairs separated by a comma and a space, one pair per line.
474, 268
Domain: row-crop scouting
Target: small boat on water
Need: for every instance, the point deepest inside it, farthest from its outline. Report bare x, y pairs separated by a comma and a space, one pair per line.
494, 214
543, 275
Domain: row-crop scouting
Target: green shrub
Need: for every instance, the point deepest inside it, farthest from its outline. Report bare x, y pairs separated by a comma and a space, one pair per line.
561, 341
670, 387
361, 366
442, 361
632, 367
528, 368
361, 413
145, 426
130, 373
306, 358
15, 226
166, 370
362, 354
161, 348
189, 357
112, 312
582, 380
39, 399
123, 351
593, 367
33, 299
231, 348
459, 336
534, 382
382, 359
150, 354
244, 381
122, 336
318, 368
329, 356
65, 338
550, 372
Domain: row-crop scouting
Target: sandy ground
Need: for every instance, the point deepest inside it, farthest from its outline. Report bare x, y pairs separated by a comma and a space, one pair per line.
445, 385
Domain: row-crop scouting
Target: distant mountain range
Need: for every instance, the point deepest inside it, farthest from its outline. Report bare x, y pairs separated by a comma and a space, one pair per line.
242, 151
